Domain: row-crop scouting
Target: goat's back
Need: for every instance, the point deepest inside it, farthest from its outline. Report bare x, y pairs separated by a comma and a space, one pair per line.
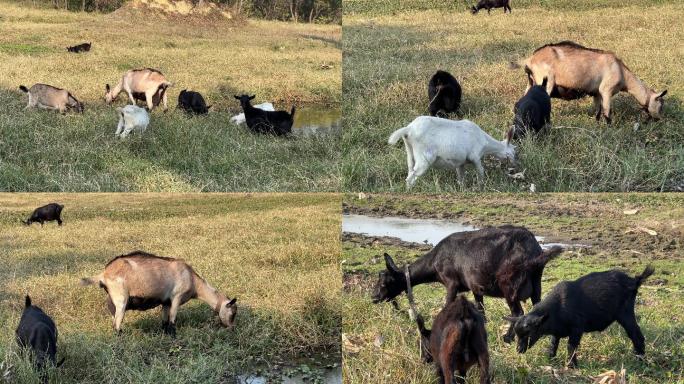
37, 331
147, 275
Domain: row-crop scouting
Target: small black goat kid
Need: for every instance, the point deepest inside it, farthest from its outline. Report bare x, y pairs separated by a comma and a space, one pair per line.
50, 212
489, 4
260, 121
444, 94
588, 304
85, 47
38, 332
532, 111
192, 102
457, 341
503, 262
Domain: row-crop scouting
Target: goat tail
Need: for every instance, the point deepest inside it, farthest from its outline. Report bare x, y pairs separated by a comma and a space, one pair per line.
91, 280
552, 253
644, 275
292, 111
23, 88
398, 134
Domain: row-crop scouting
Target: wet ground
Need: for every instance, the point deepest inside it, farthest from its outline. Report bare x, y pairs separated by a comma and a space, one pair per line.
315, 120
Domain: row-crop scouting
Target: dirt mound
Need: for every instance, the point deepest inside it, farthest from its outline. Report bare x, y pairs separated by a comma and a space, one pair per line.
175, 9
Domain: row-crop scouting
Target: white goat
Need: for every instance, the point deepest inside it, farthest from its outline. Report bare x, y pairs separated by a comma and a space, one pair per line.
240, 118
131, 117
448, 144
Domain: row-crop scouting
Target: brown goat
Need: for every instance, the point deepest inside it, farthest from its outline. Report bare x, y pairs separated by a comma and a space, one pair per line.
457, 341
138, 83
574, 71
49, 97
142, 281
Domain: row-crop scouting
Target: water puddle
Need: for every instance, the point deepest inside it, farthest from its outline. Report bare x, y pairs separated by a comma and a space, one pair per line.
317, 121
428, 231
296, 376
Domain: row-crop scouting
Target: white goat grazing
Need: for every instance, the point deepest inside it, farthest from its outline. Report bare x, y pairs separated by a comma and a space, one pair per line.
131, 117
448, 144
240, 118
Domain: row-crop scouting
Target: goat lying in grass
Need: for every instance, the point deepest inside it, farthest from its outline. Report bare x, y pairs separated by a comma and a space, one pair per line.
38, 332
240, 117
444, 93
532, 111
142, 281
588, 304
131, 118
49, 212
192, 102
457, 341
148, 84
448, 144
49, 97
503, 262
85, 47
260, 121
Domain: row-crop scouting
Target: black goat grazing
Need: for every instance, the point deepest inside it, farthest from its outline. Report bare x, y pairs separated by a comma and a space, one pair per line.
192, 102
503, 262
489, 4
457, 341
50, 212
532, 111
444, 94
260, 121
37, 331
85, 47
588, 304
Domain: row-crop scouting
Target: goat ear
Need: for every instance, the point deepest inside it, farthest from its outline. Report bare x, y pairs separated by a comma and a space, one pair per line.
539, 319
663, 93
546, 79
107, 87
237, 97
252, 97
389, 263
512, 319
232, 302
27, 301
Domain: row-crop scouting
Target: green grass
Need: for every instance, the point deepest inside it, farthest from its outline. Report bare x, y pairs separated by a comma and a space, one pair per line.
278, 254
285, 63
391, 52
659, 304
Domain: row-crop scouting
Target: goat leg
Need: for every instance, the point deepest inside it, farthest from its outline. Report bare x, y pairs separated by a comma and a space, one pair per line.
553, 347
573, 344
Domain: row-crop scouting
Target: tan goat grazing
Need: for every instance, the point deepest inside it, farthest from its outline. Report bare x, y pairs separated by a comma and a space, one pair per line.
141, 84
142, 281
49, 97
574, 71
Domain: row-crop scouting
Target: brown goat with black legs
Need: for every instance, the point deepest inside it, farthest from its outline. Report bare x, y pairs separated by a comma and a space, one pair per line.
142, 281
503, 262
575, 71
141, 84
457, 341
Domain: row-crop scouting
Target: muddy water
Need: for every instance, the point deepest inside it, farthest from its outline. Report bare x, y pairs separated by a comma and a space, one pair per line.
328, 376
317, 120
428, 231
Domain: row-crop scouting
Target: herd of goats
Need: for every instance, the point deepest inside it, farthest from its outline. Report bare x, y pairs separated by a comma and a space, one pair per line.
507, 262
564, 70
135, 281
150, 86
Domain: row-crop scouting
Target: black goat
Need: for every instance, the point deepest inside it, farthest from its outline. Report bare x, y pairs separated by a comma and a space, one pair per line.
444, 94
588, 304
489, 4
192, 102
532, 111
37, 331
503, 262
85, 47
50, 212
260, 121
457, 341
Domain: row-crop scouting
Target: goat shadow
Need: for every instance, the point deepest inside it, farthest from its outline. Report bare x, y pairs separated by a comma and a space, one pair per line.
334, 42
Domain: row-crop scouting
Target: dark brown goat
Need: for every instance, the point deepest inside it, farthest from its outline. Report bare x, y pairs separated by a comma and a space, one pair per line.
457, 341
503, 262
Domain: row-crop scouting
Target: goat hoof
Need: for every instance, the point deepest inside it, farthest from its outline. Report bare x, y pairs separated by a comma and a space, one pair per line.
508, 339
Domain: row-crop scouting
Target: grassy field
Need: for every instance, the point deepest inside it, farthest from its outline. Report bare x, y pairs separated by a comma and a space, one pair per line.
392, 48
278, 254
380, 344
284, 63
